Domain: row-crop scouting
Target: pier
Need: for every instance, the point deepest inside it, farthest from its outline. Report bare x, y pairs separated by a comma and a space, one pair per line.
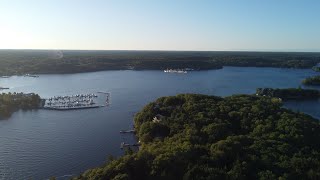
108, 95
124, 145
127, 131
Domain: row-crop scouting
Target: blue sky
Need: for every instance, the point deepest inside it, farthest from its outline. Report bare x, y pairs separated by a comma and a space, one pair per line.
269, 25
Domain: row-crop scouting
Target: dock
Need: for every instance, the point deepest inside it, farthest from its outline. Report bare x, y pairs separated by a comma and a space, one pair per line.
107, 94
127, 131
124, 145
72, 108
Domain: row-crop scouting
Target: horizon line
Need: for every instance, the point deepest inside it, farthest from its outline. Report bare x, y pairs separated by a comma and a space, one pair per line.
163, 50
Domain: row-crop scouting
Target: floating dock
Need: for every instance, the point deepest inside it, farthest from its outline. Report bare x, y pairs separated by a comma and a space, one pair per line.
127, 131
72, 108
107, 94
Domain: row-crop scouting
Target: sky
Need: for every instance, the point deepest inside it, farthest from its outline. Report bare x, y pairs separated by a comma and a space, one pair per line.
199, 25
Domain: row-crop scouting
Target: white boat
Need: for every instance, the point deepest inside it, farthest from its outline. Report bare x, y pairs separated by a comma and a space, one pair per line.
30, 75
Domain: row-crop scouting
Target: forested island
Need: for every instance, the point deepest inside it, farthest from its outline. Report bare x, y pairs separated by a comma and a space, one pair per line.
10, 102
289, 94
315, 80
20, 62
200, 137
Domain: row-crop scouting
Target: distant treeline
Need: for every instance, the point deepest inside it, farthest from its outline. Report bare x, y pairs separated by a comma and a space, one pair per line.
10, 102
19, 62
290, 93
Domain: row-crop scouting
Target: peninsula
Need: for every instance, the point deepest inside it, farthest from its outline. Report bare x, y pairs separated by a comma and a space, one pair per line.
314, 81
191, 136
10, 102
289, 94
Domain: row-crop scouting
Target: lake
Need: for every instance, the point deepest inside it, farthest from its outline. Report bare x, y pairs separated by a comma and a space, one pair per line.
39, 144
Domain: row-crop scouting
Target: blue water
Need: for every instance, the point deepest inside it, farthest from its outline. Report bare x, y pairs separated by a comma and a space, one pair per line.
42, 143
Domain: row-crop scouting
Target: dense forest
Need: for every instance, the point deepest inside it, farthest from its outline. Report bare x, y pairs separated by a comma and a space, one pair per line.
11, 102
315, 80
201, 137
289, 94
19, 62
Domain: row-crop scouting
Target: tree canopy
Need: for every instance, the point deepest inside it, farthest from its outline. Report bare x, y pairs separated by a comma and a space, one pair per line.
191, 136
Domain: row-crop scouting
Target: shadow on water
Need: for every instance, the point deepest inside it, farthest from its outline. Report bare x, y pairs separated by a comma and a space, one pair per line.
310, 107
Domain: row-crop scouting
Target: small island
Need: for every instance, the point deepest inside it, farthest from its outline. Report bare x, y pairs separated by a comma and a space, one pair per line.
192, 136
10, 102
314, 81
289, 94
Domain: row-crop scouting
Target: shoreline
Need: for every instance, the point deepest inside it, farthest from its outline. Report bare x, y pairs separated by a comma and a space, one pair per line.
194, 70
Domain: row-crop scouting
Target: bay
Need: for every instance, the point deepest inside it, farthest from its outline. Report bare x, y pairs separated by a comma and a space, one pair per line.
39, 144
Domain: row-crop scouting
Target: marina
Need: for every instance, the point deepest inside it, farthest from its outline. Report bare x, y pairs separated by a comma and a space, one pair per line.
180, 71
73, 107
74, 102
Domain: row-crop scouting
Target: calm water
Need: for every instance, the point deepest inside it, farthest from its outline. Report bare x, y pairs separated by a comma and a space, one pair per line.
43, 143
